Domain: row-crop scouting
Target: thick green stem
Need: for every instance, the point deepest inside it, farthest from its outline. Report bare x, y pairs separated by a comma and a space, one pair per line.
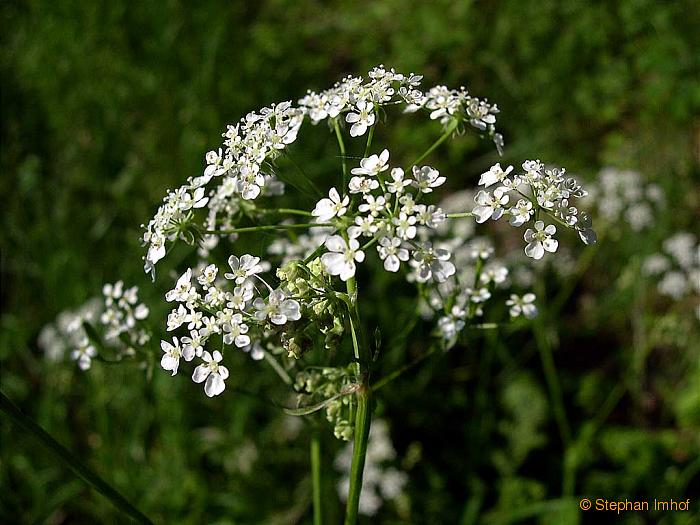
363, 421
72, 462
363, 416
316, 477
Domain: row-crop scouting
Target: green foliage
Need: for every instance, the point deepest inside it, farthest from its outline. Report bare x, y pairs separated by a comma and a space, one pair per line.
107, 104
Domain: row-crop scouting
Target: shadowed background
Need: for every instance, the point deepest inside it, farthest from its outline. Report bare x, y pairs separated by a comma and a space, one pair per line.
105, 105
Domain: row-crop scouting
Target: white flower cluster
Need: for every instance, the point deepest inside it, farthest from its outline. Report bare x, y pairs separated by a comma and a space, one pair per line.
537, 195
621, 196
677, 268
119, 316
245, 318
243, 168
380, 482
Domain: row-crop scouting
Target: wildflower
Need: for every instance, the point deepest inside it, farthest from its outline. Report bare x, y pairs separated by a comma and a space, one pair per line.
240, 297
522, 305
211, 371
489, 206
373, 165
341, 257
278, 308
372, 204
494, 175
397, 184
331, 207
520, 213
243, 268
171, 356
176, 318
405, 226
361, 120
192, 346
432, 263
84, 354
391, 253
540, 240
427, 178
183, 288
235, 331
362, 185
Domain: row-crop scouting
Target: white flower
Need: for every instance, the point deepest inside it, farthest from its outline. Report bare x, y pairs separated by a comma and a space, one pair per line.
405, 226
391, 253
450, 325
362, 185
243, 268
331, 207
176, 318
427, 178
520, 213
84, 354
171, 356
540, 240
278, 308
235, 332
341, 257
192, 346
194, 200
489, 206
522, 305
372, 204
373, 165
397, 183
363, 226
431, 215
494, 175
208, 275
362, 119
183, 289
211, 371
240, 297
432, 263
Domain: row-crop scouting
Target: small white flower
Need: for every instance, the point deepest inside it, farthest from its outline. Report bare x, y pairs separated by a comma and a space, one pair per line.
494, 175
405, 226
84, 354
363, 226
240, 297
331, 207
372, 204
520, 213
427, 178
522, 305
208, 275
211, 371
398, 183
176, 318
362, 185
183, 289
373, 165
194, 200
540, 240
171, 356
432, 263
431, 215
391, 253
278, 308
243, 268
341, 257
235, 332
192, 346
489, 206
361, 120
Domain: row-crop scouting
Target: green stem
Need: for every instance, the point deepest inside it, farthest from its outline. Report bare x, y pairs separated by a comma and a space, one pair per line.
343, 156
450, 129
359, 451
369, 139
288, 211
268, 227
72, 462
316, 477
363, 416
459, 215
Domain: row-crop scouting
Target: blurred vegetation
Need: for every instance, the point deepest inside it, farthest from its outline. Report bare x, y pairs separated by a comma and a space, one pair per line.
107, 104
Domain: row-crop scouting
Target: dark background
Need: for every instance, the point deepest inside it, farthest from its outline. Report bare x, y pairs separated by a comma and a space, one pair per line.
107, 104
